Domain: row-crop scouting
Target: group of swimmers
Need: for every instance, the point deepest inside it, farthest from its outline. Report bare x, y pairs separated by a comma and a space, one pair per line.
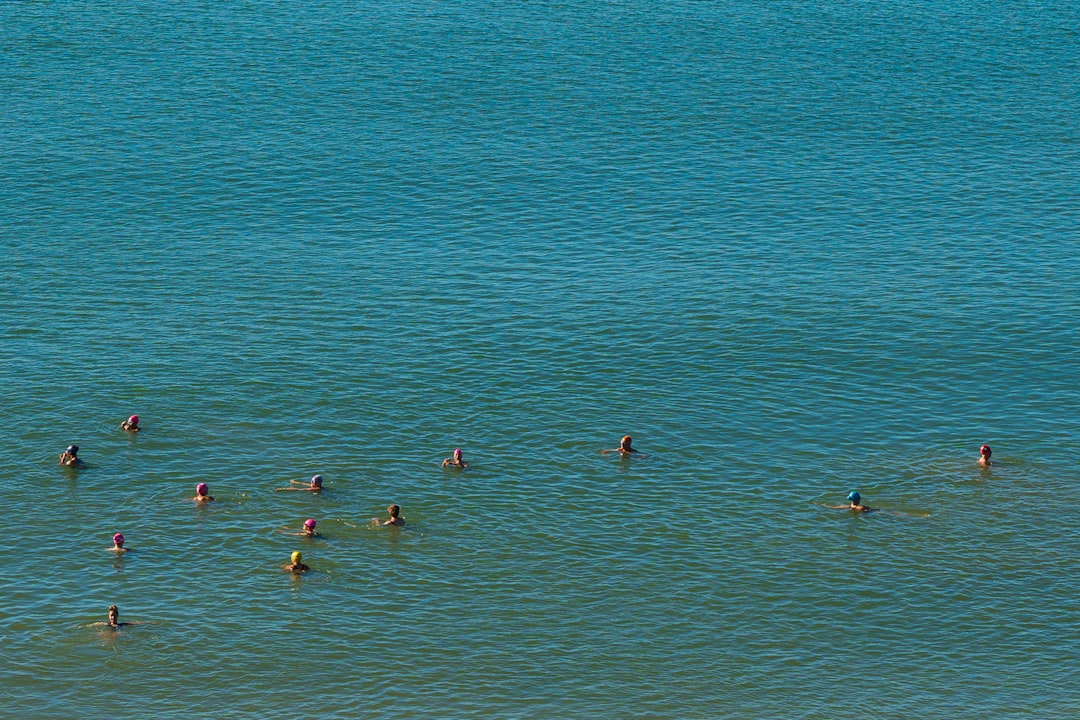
296, 564
70, 458
854, 499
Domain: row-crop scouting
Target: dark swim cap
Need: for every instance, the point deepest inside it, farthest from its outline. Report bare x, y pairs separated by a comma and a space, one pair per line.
73, 449
854, 497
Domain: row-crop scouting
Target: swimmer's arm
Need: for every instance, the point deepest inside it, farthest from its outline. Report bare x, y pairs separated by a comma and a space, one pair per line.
446, 462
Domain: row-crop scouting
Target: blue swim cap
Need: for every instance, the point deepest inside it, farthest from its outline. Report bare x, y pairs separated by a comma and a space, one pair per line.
854, 496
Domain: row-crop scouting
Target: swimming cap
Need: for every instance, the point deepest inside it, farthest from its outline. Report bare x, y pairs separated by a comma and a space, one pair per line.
854, 497
457, 451
297, 557
317, 481
73, 449
310, 524
118, 538
134, 420
985, 448
202, 489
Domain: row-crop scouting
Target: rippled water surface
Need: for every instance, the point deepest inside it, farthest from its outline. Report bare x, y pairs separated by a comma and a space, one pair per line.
793, 248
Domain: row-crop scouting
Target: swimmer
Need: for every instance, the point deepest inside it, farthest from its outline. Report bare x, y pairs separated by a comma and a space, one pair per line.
306, 530
455, 461
70, 457
854, 503
131, 424
984, 456
314, 486
395, 517
625, 448
114, 620
296, 566
118, 543
202, 493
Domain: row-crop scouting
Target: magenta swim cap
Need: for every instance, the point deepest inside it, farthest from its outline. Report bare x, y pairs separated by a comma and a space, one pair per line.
118, 538
457, 451
310, 524
134, 419
202, 489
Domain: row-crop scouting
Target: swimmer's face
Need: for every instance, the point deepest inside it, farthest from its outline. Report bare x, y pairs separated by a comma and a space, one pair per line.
114, 615
457, 454
626, 442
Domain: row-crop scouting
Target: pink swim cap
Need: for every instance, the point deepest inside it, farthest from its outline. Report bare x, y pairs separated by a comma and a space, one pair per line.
457, 451
134, 419
118, 538
202, 489
310, 524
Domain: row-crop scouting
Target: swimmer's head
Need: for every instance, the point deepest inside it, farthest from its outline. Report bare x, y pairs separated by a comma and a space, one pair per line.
118, 539
133, 420
202, 489
985, 451
457, 452
854, 497
316, 481
310, 524
114, 613
626, 441
394, 511
73, 449
296, 557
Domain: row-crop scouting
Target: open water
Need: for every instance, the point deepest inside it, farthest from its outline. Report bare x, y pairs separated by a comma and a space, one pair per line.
794, 248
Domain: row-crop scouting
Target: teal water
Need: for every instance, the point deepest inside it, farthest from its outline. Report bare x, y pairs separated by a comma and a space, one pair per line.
793, 248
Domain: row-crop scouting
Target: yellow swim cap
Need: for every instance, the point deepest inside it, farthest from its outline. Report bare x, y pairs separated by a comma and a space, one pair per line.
297, 557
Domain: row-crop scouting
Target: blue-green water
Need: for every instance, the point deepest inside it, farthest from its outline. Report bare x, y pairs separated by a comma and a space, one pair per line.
793, 248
